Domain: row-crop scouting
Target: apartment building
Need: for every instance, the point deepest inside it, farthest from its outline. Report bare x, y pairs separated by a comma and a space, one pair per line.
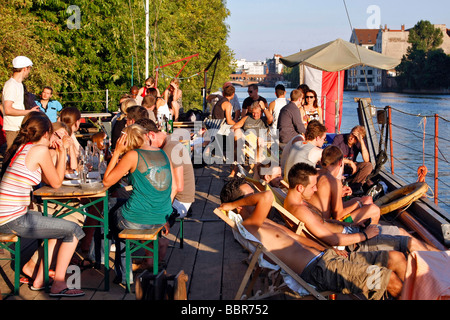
390, 42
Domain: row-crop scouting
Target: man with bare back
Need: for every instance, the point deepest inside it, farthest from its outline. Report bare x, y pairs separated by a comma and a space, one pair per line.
327, 269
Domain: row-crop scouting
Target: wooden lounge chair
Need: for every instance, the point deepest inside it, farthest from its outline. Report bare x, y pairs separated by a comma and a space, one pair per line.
213, 128
291, 221
261, 255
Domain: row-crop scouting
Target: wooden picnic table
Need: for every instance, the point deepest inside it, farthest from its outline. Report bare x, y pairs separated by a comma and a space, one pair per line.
93, 196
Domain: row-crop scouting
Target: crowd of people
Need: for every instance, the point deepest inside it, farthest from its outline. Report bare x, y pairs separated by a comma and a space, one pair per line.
323, 187
285, 121
42, 148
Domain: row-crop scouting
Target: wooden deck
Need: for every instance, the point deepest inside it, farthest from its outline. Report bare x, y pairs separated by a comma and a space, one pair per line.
211, 258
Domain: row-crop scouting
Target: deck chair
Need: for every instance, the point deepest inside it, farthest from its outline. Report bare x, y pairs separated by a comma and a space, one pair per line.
291, 221
261, 255
214, 127
256, 152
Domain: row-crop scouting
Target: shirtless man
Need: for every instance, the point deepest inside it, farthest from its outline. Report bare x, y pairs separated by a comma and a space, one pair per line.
303, 184
328, 198
323, 268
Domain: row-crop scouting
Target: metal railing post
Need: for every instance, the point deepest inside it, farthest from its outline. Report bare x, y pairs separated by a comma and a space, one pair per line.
390, 138
436, 154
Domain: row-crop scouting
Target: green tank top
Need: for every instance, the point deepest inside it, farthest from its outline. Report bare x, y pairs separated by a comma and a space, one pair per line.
150, 201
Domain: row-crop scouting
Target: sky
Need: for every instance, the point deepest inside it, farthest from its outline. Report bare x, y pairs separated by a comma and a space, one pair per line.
258, 29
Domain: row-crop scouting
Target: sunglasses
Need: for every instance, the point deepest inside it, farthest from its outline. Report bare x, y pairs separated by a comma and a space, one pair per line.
307, 97
250, 91
148, 85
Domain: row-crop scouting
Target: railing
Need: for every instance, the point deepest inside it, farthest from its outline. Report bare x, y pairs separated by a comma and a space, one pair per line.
104, 100
432, 153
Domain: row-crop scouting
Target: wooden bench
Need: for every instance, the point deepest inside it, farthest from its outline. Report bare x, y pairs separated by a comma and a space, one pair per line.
5, 240
136, 239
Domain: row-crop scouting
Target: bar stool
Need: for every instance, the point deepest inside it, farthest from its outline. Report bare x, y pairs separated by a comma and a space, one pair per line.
136, 239
5, 240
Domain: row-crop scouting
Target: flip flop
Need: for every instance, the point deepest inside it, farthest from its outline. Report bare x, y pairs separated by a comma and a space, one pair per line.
38, 289
25, 280
41, 288
65, 293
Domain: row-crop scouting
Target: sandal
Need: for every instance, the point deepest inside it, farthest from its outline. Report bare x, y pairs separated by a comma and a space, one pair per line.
27, 280
67, 293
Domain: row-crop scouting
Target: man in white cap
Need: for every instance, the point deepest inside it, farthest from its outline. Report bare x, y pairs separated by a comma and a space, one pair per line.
13, 96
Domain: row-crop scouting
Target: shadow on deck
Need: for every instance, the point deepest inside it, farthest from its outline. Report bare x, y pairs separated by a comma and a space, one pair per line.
211, 258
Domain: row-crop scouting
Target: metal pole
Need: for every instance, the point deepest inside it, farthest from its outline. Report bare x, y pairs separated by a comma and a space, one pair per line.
436, 153
132, 70
390, 138
204, 93
147, 34
336, 116
336, 123
107, 100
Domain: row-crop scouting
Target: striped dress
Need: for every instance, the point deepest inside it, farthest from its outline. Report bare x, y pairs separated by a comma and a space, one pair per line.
16, 186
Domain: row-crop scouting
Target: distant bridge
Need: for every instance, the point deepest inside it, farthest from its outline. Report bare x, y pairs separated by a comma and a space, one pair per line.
244, 80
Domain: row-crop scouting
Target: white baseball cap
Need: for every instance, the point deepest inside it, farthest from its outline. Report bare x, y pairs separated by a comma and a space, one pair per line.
21, 62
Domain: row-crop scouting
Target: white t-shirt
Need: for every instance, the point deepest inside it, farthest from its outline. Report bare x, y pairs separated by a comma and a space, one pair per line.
279, 104
13, 91
163, 111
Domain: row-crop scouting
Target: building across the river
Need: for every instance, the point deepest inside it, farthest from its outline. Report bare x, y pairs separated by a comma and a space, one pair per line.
393, 43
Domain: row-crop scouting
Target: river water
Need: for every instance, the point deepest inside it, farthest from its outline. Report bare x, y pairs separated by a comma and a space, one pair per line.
410, 149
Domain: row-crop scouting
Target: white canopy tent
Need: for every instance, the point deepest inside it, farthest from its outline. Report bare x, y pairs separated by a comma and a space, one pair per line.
340, 55
324, 65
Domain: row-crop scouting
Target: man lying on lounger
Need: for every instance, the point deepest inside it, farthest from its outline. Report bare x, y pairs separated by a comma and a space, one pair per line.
356, 237
326, 269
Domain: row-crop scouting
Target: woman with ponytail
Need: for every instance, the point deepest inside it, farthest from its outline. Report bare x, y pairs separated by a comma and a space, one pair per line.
30, 164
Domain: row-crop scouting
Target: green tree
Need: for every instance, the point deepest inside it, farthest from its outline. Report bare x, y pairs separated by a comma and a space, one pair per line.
108, 50
424, 36
292, 75
19, 37
424, 66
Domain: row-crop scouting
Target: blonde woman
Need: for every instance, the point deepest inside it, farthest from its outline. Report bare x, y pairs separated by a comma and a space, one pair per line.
173, 96
150, 173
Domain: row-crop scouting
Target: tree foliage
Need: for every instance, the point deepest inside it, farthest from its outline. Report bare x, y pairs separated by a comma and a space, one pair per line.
425, 66
292, 75
424, 36
108, 50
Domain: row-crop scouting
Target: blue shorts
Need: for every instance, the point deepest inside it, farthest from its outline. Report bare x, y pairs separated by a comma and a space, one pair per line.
123, 223
33, 225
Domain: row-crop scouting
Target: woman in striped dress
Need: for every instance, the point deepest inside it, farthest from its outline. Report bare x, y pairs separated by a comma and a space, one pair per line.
30, 164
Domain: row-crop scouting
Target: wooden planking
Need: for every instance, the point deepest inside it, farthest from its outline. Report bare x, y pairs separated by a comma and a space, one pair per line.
206, 275
234, 265
211, 258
